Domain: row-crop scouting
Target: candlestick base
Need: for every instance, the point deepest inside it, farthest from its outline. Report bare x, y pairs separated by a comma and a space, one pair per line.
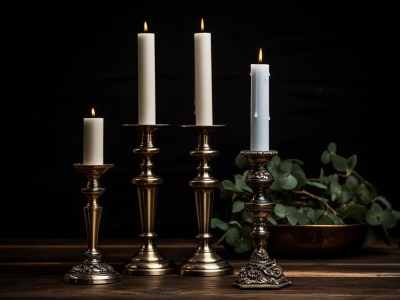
92, 270
260, 272
205, 261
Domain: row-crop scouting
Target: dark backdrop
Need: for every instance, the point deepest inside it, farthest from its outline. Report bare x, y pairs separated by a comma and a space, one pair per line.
332, 79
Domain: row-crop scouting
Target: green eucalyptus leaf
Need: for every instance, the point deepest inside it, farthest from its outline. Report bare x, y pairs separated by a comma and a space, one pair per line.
280, 210
352, 183
218, 223
311, 216
287, 182
335, 190
336, 219
292, 215
384, 201
363, 193
275, 186
326, 157
245, 242
299, 174
370, 237
319, 213
239, 182
232, 236
344, 196
325, 220
297, 161
285, 166
242, 162
339, 163
389, 220
396, 214
317, 185
375, 215
227, 184
245, 217
225, 194
272, 220
354, 214
237, 206
332, 148
352, 162
274, 163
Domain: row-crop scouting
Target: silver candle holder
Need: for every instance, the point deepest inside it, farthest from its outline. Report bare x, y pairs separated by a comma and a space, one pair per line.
260, 272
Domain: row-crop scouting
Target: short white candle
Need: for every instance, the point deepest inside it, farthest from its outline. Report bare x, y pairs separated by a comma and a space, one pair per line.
93, 140
146, 78
203, 77
259, 119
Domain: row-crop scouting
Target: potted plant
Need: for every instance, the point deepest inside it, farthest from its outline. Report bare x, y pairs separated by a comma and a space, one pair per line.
339, 211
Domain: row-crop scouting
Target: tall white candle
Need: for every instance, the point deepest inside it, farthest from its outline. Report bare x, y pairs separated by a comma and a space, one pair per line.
93, 140
146, 78
203, 77
259, 119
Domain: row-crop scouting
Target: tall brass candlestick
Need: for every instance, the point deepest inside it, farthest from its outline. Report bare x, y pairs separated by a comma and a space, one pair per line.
260, 272
91, 270
205, 261
148, 260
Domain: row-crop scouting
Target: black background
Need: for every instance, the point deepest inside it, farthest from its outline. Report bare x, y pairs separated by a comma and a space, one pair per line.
333, 78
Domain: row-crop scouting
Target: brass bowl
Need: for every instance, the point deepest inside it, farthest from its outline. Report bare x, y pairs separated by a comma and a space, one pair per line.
315, 240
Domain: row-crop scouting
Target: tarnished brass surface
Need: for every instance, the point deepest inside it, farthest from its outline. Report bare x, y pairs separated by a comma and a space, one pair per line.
92, 270
148, 260
260, 272
205, 261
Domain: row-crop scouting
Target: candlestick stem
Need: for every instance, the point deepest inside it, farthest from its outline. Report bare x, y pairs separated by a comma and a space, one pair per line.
91, 270
260, 272
205, 261
148, 260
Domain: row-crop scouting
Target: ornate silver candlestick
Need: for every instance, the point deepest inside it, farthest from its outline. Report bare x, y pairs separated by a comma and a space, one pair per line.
205, 261
91, 270
260, 272
148, 260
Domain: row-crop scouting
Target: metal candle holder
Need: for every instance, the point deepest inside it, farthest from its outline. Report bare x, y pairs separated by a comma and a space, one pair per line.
260, 272
148, 260
91, 270
205, 261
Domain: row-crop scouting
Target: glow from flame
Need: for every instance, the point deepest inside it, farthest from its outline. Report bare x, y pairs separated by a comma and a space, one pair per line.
260, 58
145, 27
202, 24
93, 113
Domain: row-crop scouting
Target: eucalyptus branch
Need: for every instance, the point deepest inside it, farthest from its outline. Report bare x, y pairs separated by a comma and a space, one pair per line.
312, 196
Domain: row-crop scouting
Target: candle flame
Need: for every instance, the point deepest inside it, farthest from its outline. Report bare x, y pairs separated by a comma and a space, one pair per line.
260, 58
202, 24
93, 113
145, 27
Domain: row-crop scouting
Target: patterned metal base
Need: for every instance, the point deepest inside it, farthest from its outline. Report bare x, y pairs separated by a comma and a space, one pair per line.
92, 271
261, 273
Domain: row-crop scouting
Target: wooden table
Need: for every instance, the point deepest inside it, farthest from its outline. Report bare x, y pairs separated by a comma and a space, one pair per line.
34, 269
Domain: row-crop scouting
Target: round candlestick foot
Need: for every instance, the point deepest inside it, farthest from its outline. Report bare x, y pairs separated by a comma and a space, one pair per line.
206, 264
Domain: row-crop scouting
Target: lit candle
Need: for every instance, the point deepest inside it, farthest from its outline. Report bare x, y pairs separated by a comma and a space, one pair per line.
93, 140
259, 119
146, 78
203, 79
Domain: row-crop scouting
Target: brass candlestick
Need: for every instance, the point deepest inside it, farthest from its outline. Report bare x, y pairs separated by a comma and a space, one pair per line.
260, 272
205, 261
91, 270
148, 260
